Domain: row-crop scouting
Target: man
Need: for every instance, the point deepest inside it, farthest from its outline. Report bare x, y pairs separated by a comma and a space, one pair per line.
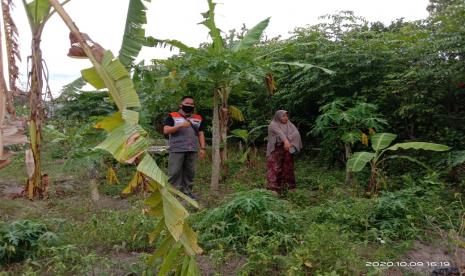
186, 133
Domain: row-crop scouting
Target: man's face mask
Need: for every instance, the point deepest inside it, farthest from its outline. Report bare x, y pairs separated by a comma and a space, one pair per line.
187, 108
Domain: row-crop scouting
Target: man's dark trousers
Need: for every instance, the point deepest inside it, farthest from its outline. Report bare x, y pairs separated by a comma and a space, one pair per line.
181, 170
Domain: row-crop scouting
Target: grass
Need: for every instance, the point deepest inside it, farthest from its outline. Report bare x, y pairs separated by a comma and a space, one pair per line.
109, 237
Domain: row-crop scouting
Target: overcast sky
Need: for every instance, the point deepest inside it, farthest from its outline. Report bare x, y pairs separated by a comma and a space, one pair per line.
104, 21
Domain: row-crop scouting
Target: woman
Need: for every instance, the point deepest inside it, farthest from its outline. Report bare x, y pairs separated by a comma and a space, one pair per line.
283, 140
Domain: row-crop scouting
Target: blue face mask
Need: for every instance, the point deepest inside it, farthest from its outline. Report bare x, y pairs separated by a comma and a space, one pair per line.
187, 108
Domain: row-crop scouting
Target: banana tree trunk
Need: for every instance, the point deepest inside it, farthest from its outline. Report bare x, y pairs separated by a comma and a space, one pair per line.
35, 187
373, 184
216, 139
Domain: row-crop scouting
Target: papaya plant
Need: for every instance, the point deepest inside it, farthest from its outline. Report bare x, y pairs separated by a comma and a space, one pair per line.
343, 123
128, 143
380, 144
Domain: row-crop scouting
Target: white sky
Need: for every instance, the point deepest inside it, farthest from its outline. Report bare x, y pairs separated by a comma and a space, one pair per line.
104, 21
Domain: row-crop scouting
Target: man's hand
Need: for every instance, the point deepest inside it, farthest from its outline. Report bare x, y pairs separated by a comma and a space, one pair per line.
202, 154
185, 124
287, 145
167, 130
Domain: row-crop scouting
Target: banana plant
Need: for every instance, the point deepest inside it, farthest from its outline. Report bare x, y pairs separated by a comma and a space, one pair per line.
128, 142
380, 144
247, 138
38, 12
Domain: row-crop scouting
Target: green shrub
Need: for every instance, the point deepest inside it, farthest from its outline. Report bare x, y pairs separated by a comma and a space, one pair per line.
113, 229
253, 213
65, 260
324, 248
267, 255
403, 214
21, 239
351, 214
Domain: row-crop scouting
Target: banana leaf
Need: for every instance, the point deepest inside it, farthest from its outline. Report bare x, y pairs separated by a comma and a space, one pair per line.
359, 160
419, 145
381, 141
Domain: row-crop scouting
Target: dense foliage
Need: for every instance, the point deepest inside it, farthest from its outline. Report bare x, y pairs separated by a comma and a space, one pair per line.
397, 95
412, 72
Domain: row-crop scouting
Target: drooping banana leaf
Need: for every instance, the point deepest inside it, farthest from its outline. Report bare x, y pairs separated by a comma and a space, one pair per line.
236, 113
169, 259
359, 160
111, 122
112, 75
127, 141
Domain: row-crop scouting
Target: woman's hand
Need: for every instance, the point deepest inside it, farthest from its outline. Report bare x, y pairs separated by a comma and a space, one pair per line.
287, 145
